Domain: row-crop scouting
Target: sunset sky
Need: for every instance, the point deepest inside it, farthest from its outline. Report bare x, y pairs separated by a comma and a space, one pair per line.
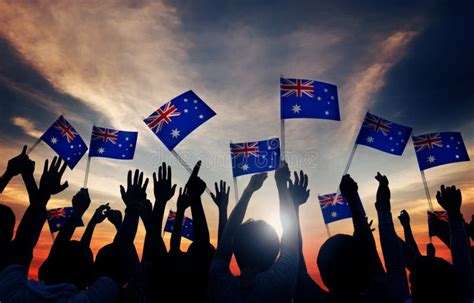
109, 63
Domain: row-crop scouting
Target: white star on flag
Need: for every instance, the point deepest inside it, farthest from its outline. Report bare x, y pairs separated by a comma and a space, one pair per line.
431, 159
54, 140
296, 108
370, 139
334, 214
244, 167
175, 133
101, 150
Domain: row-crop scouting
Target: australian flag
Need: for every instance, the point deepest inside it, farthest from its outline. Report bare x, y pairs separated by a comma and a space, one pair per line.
255, 157
187, 231
383, 135
439, 149
65, 141
308, 99
437, 222
57, 217
176, 119
111, 143
334, 210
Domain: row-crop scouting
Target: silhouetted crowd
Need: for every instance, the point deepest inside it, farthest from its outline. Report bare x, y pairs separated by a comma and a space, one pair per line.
271, 270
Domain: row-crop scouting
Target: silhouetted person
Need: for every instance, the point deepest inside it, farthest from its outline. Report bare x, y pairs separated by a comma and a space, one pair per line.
450, 199
7, 225
264, 278
434, 280
221, 199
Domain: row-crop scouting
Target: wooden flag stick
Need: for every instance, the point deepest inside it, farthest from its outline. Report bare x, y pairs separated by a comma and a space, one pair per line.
327, 230
427, 191
86, 176
186, 166
236, 188
32, 147
282, 140
346, 169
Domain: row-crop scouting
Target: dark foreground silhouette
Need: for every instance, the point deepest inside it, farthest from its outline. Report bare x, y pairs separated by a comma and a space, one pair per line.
272, 270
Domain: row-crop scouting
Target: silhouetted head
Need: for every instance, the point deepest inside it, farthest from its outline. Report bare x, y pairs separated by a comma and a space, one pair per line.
343, 266
256, 245
70, 263
7, 224
434, 280
114, 264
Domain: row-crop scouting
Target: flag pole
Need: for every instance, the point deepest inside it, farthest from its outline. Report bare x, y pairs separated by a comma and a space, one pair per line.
236, 188
346, 169
32, 147
186, 166
327, 230
282, 138
86, 176
427, 191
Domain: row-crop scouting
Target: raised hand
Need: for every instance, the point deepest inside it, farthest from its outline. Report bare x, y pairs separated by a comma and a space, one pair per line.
430, 250
115, 217
282, 173
195, 185
348, 186
81, 202
404, 218
183, 200
221, 197
383, 194
299, 189
136, 189
19, 164
450, 199
256, 181
163, 188
100, 213
50, 183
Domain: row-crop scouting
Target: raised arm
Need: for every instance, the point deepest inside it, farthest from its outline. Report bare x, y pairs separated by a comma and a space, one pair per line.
29, 229
196, 187
15, 166
450, 199
224, 250
182, 204
404, 218
164, 190
306, 289
362, 229
221, 199
99, 216
134, 198
391, 248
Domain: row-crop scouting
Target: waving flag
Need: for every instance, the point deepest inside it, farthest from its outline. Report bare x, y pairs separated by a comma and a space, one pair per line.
439, 149
187, 231
383, 135
65, 141
57, 217
308, 99
334, 210
177, 118
255, 157
438, 222
112, 143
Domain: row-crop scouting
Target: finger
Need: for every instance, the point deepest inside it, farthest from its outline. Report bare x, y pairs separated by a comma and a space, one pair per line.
129, 178
165, 173
135, 177
45, 168
301, 177
145, 184
64, 186
196, 169
122, 191
217, 189
443, 189
228, 190
305, 183
160, 173
154, 178
140, 179
58, 164
180, 191
169, 172
23, 152
53, 163
297, 179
